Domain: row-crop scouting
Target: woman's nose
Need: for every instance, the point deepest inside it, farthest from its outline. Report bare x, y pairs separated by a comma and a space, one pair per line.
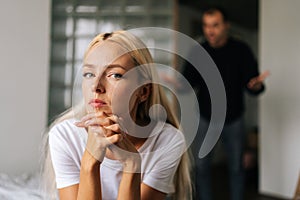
98, 86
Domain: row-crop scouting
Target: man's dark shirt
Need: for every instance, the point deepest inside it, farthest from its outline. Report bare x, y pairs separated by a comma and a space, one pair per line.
237, 66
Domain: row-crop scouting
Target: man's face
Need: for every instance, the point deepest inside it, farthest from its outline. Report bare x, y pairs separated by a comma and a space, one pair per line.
215, 29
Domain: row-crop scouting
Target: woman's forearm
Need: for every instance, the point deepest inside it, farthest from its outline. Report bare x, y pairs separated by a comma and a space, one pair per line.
90, 185
130, 186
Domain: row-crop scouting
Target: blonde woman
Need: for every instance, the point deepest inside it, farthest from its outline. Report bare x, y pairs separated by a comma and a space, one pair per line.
106, 156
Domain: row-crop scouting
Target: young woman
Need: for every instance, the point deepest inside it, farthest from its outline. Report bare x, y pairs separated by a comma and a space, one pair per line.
106, 156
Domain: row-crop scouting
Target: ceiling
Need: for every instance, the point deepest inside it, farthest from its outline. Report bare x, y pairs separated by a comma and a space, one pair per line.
241, 12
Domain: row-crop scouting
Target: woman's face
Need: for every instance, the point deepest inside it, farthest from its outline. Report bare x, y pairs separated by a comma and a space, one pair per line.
105, 83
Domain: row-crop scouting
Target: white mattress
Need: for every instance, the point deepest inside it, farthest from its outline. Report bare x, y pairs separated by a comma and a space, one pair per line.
20, 188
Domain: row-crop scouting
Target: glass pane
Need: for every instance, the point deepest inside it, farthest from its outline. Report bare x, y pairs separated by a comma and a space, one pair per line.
68, 98
62, 50
77, 70
136, 21
60, 100
59, 50
61, 75
62, 5
57, 96
62, 26
85, 26
135, 6
55, 110
57, 74
86, 9
109, 24
88, 2
110, 6
163, 5
162, 21
80, 46
76, 88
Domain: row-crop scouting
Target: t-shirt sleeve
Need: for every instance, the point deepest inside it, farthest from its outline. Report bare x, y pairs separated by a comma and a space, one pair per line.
165, 162
66, 170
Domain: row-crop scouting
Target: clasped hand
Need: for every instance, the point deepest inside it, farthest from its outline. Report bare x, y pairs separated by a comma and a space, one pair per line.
105, 133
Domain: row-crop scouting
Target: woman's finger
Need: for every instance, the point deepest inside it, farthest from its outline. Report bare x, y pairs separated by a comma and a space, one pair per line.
92, 115
114, 118
98, 122
93, 120
114, 128
119, 121
115, 138
97, 130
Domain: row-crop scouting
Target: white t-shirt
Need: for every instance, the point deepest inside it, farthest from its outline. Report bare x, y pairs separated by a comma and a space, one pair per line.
161, 154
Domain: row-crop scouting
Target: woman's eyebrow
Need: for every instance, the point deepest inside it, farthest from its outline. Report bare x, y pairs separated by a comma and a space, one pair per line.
88, 65
116, 66
108, 67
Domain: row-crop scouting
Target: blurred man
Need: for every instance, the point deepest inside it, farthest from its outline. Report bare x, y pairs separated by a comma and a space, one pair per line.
239, 71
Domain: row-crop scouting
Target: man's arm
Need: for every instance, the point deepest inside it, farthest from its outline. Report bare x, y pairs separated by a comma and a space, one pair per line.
256, 83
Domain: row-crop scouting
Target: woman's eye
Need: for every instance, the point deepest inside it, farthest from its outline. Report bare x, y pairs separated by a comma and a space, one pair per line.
117, 76
88, 75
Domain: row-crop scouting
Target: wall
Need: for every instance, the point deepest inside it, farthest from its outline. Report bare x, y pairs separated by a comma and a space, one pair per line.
280, 106
24, 53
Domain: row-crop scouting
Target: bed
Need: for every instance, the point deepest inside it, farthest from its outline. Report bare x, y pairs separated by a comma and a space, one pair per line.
24, 187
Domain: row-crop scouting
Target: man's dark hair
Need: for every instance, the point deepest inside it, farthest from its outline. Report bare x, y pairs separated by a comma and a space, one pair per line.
211, 10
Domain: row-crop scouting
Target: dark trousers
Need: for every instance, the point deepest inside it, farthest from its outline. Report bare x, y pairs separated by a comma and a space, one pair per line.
233, 140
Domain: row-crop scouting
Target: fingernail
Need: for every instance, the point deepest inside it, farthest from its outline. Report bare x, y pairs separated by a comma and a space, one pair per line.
106, 126
76, 123
79, 124
115, 115
87, 123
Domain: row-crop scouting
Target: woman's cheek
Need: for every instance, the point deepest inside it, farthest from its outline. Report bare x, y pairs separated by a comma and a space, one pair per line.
86, 92
119, 101
124, 98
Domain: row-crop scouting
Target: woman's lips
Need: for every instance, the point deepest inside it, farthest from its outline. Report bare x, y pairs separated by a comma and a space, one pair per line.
97, 103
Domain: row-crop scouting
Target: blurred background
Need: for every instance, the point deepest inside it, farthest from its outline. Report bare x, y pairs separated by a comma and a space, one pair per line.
42, 45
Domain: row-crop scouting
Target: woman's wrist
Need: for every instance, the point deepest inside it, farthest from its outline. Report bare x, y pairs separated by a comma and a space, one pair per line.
89, 163
132, 165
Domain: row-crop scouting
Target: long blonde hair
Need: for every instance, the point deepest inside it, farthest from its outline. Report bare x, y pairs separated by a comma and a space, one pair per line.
141, 56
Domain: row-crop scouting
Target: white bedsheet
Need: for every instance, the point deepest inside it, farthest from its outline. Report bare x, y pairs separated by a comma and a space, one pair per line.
25, 187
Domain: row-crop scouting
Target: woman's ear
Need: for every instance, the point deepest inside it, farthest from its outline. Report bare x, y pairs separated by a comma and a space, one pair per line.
145, 92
